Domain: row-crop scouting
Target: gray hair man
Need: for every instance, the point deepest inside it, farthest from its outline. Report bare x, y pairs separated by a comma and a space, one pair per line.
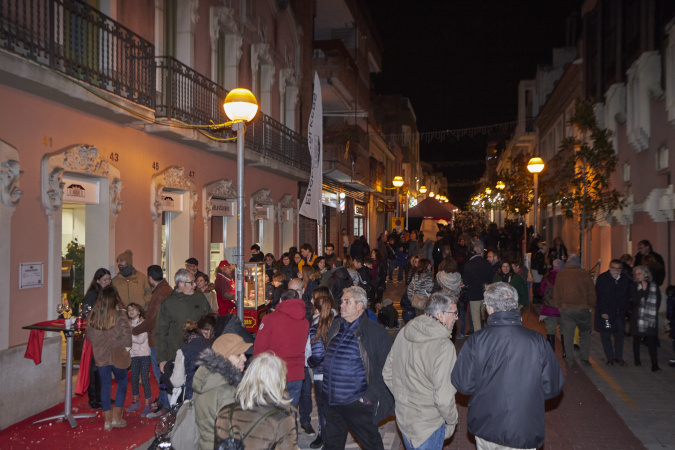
502, 359
184, 303
354, 394
422, 358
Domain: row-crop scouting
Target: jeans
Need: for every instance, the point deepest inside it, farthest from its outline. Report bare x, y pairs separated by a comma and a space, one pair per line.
294, 389
356, 417
163, 397
464, 318
305, 406
401, 269
106, 373
392, 266
318, 385
434, 442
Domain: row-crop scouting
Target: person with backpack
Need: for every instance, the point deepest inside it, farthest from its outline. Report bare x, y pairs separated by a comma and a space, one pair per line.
262, 411
549, 313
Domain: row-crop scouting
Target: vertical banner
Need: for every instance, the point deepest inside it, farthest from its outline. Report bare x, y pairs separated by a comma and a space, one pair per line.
311, 205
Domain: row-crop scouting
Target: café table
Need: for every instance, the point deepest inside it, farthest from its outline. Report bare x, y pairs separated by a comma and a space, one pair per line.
69, 333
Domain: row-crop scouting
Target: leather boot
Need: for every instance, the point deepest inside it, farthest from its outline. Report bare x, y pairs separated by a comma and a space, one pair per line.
562, 341
551, 340
107, 417
117, 421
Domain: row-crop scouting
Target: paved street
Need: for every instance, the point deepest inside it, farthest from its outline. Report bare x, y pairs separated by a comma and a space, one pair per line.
601, 407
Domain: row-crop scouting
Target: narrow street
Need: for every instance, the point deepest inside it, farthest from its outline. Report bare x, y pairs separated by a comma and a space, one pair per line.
600, 407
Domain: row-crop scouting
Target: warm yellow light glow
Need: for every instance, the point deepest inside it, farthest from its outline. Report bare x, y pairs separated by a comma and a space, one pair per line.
488, 191
431, 194
423, 189
398, 181
240, 104
500, 185
535, 165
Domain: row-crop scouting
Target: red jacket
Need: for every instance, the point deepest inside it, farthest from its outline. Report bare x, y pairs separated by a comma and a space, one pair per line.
285, 333
225, 293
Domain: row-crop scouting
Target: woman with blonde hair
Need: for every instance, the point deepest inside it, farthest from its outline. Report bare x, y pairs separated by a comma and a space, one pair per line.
262, 409
109, 334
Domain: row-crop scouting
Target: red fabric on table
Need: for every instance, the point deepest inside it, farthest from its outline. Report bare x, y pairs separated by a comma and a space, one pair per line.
34, 348
83, 374
52, 323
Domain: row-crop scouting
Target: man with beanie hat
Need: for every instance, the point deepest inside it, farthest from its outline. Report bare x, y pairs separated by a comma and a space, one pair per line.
132, 285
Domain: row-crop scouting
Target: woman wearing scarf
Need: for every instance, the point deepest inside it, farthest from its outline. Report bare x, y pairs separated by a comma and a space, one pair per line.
644, 319
506, 274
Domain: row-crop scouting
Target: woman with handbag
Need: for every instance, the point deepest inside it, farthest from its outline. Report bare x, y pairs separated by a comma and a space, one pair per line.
109, 334
420, 286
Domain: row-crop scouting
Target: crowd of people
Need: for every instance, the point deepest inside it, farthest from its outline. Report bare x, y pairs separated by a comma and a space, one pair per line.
327, 331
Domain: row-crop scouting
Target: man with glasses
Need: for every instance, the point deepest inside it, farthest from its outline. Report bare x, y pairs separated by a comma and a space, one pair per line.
184, 303
422, 358
509, 371
613, 296
355, 397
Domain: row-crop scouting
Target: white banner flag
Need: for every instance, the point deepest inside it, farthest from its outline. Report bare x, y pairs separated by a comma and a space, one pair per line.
311, 205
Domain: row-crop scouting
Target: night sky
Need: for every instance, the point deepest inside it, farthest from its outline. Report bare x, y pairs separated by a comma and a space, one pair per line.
460, 62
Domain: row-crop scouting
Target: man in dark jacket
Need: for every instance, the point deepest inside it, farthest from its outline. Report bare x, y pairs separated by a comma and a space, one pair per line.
613, 295
161, 290
645, 248
339, 279
354, 394
502, 359
477, 274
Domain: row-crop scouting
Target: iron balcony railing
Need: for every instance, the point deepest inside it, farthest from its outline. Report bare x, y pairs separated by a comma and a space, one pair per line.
187, 95
73, 38
190, 97
275, 141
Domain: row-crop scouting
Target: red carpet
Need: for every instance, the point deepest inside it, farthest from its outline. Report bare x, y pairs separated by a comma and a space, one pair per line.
89, 434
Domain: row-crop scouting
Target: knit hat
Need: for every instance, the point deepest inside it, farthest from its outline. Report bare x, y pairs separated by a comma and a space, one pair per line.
387, 302
127, 256
223, 263
449, 281
230, 344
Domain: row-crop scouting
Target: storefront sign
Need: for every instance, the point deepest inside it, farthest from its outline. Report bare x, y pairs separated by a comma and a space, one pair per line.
262, 212
359, 210
329, 199
222, 208
80, 190
172, 202
390, 207
30, 275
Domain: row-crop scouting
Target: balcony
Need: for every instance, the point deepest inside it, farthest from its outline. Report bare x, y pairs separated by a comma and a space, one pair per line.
342, 87
345, 158
77, 40
189, 97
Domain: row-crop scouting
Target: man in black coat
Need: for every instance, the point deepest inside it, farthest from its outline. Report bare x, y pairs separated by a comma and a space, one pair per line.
339, 280
503, 359
477, 274
613, 296
645, 248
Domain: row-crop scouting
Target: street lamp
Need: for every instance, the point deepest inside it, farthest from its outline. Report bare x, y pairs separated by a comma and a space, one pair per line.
423, 189
535, 166
240, 107
397, 182
500, 185
431, 194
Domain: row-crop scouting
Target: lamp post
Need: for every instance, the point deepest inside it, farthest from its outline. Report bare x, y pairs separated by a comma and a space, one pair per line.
397, 182
535, 166
423, 189
240, 107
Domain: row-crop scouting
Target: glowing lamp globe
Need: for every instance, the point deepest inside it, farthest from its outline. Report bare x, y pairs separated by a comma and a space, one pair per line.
535, 165
423, 189
240, 105
397, 181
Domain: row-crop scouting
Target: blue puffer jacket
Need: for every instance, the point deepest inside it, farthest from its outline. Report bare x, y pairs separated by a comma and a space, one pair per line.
316, 360
340, 364
344, 381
